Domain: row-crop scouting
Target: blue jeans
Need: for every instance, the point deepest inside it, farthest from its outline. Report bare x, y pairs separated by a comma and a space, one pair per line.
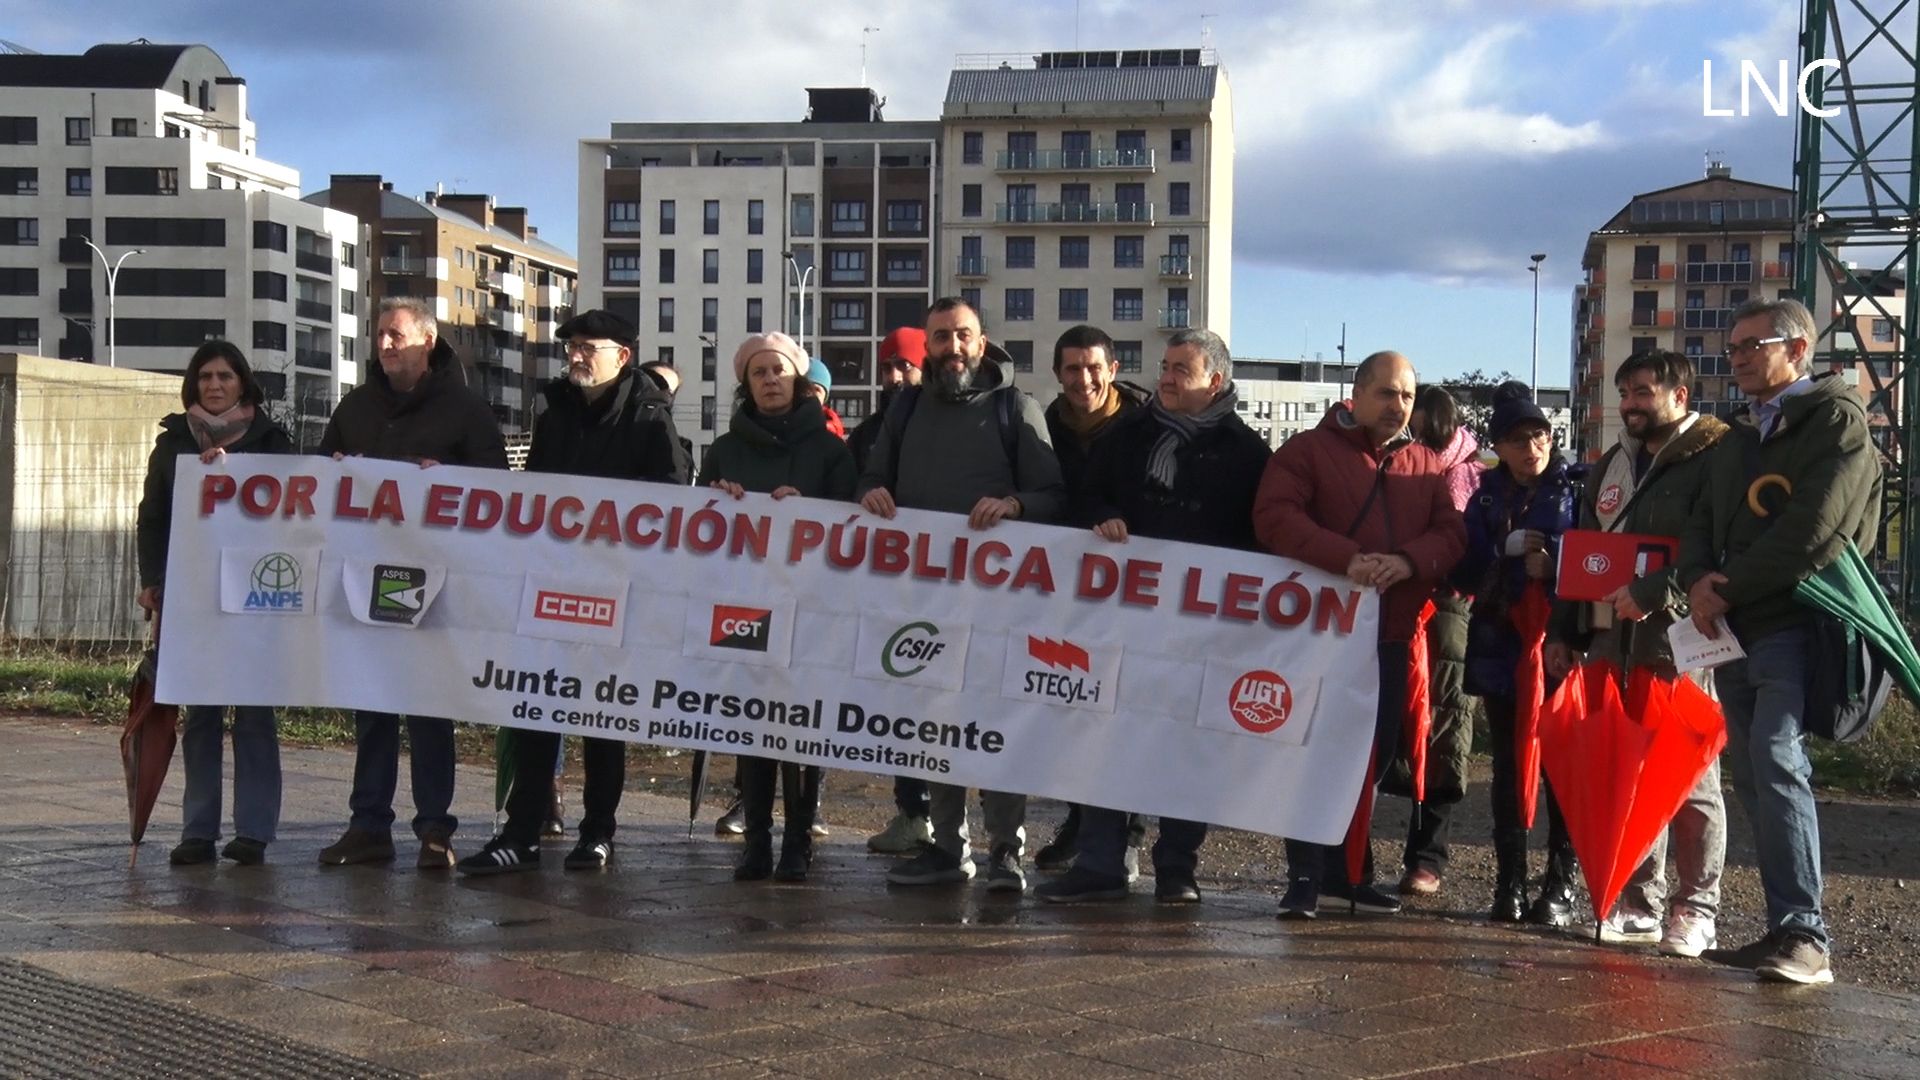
1101, 846
1764, 696
376, 772
256, 772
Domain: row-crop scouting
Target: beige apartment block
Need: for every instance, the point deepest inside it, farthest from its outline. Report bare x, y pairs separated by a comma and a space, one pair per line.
1088, 187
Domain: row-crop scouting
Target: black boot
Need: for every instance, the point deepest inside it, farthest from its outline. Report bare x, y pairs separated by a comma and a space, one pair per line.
756, 802
796, 855
801, 794
1510, 881
1554, 905
756, 862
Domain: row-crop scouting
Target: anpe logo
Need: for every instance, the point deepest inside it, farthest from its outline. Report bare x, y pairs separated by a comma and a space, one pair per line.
911, 649
574, 608
1609, 499
740, 628
1596, 563
276, 584
1061, 655
399, 593
1260, 701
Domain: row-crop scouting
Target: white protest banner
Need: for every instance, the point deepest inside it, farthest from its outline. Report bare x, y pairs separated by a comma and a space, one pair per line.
1220, 686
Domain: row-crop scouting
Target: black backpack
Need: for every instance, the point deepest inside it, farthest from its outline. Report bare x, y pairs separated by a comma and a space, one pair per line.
1006, 413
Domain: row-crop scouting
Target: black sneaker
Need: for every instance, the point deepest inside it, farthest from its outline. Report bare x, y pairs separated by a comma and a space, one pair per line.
1359, 899
1302, 900
500, 856
191, 853
1057, 855
1003, 870
589, 855
1796, 958
358, 846
933, 866
245, 851
732, 823
1081, 886
1175, 887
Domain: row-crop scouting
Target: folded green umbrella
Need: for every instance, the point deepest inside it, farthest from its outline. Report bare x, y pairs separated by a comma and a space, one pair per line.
1847, 590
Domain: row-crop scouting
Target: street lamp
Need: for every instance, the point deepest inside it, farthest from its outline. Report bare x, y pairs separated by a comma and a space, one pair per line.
113, 276
802, 279
1535, 271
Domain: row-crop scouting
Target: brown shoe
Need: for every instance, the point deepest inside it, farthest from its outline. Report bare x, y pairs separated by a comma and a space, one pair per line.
1420, 881
358, 846
436, 850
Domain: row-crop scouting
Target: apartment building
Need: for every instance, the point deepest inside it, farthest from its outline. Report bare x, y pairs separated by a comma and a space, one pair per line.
499, 290
137, 221
1282, 398
703, 233
1088, 187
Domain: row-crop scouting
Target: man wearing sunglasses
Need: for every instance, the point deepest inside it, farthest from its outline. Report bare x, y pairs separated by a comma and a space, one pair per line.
1743, 565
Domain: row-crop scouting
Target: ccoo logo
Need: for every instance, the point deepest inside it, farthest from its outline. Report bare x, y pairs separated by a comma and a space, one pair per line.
740, 628
1260, 701
573, 608
911, 648
276, 584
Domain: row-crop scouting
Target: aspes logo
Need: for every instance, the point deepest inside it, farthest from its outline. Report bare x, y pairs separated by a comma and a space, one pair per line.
275, 584
740, 628
1260, 701
1596, 564
399, 594
568, 607
911, 648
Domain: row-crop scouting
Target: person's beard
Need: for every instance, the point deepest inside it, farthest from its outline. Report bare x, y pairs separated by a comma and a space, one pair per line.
951, 385
1651, 427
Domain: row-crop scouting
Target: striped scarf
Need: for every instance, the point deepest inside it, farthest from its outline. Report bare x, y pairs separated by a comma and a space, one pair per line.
1179, 429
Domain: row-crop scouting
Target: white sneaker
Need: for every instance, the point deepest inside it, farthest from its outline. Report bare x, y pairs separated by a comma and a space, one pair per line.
1626, 927
1688, 934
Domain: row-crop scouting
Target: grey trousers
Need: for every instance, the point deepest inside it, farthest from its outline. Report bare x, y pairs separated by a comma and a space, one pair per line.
1698, 837
1005, 815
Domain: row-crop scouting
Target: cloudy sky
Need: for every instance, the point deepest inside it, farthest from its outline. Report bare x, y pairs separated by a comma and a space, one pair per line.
1397, 160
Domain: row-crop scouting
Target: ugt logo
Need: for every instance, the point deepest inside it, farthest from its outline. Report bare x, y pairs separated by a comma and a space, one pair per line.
1775, 95
275, 582
1260, 701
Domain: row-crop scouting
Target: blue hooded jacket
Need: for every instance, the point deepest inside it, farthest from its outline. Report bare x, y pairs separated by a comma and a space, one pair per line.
1494, 579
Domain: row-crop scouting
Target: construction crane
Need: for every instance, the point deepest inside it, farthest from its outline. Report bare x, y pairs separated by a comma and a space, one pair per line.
1857, 258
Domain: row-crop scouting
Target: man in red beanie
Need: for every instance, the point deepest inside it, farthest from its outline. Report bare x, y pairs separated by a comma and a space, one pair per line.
902, 354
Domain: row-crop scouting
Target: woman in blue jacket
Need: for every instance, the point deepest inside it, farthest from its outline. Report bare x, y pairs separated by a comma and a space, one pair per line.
1514, 522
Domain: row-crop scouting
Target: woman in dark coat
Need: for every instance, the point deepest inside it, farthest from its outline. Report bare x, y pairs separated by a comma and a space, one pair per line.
223, 415
778, 442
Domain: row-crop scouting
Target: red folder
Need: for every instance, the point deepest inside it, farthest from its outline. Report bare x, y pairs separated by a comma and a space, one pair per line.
1594, 563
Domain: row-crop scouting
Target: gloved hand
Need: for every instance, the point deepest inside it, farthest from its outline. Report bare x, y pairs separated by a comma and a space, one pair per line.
1521, 541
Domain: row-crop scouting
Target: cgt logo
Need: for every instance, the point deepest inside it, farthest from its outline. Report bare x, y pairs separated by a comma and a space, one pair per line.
1596, 563
1062, 655
1260, 701
275, 581
911, 648
574, 608
740, 628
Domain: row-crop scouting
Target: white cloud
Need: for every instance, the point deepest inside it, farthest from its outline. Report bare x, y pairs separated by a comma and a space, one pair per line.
1440, 116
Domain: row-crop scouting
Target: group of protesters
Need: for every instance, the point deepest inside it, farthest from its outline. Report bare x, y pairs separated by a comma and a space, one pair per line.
1391, 490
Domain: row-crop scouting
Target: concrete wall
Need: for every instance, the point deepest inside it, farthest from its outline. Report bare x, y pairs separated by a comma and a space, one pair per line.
74, 441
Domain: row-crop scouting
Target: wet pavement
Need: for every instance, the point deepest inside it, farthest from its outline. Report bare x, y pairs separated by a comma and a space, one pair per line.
663, 965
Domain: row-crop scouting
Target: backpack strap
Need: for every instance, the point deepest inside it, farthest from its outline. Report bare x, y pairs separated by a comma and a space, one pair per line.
1007, 412
896, 426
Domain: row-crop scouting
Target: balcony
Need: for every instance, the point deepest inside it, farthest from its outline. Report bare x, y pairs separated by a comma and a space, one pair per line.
970, 266
505, 319
402, 264
1175, 318
622, 227
1073, 213
73, 249
1719, 273
76, 301
488, 352
1773, 271
907, 226
1106, 159
1705, 319
307, 356
314, 261
1176, 266
76, 348
318, 310
1653, 271
1659, 318
500, 281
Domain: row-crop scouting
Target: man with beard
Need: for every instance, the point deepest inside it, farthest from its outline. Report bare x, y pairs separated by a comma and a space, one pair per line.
965, 442
608, 419
1649, 484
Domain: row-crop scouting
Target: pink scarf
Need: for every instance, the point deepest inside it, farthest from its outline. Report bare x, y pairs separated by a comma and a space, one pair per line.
210, 431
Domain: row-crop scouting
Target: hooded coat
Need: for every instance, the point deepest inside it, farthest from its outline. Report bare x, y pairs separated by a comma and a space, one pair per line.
798, 450
155, 518
439, 419
625, 434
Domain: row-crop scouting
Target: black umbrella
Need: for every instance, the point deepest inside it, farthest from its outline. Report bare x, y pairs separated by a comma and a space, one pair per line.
697, 789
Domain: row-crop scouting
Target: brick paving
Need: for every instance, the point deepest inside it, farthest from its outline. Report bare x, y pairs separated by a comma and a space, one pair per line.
664, 966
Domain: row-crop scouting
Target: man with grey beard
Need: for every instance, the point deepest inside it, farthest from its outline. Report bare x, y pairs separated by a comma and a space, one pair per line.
966, 442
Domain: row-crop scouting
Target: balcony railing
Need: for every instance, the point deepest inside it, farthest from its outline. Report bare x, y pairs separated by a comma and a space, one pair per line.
1176, 266
623, 226
1662, 317
907, 226
313, 260
505, 318
499, 280
1104, 159
1653, 271
1706, 319
971, 266
74, 348
1074, 213
1777, 271
402, 264
1176, 318
1719, 273
310, 357
313, 309
74, 250
76, 301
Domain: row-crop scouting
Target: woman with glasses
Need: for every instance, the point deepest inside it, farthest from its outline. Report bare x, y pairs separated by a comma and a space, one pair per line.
1514, 522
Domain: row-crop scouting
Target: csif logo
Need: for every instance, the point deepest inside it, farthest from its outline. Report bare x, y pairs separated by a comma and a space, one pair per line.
568, 607
1260, 701
1062, 655
911, 648
275, 584
740, 628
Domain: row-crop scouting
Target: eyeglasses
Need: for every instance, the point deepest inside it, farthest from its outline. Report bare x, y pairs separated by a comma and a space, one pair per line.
1737, 349
1540, 436
585, 349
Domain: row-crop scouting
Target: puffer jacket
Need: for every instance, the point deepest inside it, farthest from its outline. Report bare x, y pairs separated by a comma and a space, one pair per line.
155, 517
1496, 579
439, 419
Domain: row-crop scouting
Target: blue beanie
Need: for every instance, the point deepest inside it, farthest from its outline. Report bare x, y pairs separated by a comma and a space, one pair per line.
818, 375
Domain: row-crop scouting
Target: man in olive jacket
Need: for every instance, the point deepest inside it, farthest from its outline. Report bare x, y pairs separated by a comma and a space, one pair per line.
1648, 484
1811, 433
415, 406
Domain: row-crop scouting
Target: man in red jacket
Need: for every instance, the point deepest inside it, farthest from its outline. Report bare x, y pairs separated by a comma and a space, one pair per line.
1356, 497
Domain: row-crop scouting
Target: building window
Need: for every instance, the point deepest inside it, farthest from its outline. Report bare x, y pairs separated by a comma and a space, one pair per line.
1022, 354
19, 130
905, 267
349, 255
972, 147
125, 127
666, 217
270, 335
268, 285
710, 315
79, 181
1129, 143
1179, 198
710, 266
756, 266
1127, 355
623, 267
664, 355
23, 181
710, 217
142, 181
1883, 331
906, 217
1074, 252
1020, 252
756, 217
1128, 305
23, 231
800, 213
666, 266
19, 280
623, 217
1019, 305
849, 216
754, 309
847, 316
1182, 144
346, 301
269, 236
665, 316
969, 200
972, 297
1022, 149
709, 362
709, 412
847, 267
79, 130
1129, 252
1073, 305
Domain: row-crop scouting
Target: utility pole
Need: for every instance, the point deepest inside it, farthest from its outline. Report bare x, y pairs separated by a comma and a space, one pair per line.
1535, 271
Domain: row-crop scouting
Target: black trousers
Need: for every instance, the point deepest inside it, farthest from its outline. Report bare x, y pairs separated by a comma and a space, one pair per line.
800, 784
535, 753
1328, 862
1509, 827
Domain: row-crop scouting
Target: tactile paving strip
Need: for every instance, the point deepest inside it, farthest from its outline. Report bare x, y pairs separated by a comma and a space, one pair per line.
56, 1027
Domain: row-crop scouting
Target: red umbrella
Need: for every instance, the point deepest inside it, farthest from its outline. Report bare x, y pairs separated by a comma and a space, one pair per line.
1530, 692
146, 746
1360, 829
1419, 703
